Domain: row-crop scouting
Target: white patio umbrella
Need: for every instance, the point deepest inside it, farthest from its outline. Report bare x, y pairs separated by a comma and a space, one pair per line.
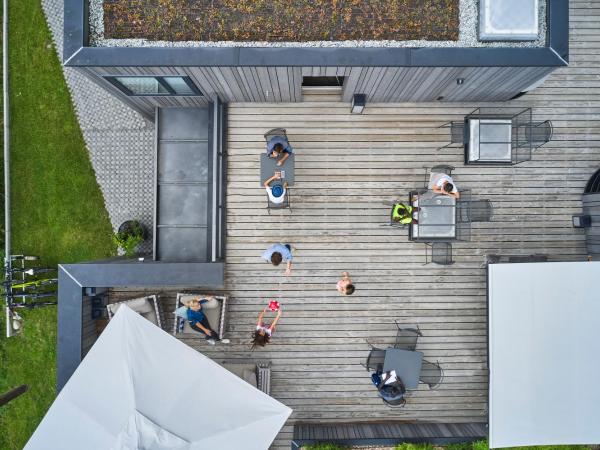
140, 388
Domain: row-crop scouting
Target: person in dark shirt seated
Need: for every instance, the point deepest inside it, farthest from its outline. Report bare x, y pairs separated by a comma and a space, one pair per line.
278, 146
390, 387
198, 321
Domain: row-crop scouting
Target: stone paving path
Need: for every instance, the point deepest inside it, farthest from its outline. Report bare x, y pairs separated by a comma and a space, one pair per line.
119, 140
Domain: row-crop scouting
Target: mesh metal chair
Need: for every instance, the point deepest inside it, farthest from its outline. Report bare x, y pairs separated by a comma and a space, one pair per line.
286, 204
441, 168
375, 360
399, 402
431, 374
441, 253
457, 133
481, 211
275, 132
407, 338
539, 133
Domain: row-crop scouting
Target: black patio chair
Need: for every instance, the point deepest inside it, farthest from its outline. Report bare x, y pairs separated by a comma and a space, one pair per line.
539, 133
441, 253
441, 168
275, 132
407, 338
399, 402
457, 133
375, 359
431, 374
286, 204
481, 211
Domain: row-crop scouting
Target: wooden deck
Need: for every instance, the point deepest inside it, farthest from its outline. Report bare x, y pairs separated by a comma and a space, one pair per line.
346, 166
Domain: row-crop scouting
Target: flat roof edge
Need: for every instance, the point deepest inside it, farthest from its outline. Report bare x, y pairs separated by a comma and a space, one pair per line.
77, 53
73, 278
307, 57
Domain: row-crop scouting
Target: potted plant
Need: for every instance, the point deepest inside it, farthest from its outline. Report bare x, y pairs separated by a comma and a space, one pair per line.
130, 234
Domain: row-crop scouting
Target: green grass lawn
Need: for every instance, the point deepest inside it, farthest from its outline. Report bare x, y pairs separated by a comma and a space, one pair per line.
57, 208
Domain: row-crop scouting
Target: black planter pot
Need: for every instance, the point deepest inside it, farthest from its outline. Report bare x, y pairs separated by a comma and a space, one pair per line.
129, 225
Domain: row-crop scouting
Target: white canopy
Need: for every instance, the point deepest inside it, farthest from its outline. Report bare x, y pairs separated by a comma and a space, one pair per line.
544, 342
140, 388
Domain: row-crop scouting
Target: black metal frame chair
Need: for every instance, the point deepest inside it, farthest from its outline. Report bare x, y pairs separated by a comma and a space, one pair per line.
540, 133
407, 338
440, 168
441, 253
481, 211
457, 132
286, 204
275, 132
432, 374
375, 359
396, 403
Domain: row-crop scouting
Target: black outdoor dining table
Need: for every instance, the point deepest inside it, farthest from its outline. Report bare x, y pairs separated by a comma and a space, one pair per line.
436, 217
268, 166
407, 365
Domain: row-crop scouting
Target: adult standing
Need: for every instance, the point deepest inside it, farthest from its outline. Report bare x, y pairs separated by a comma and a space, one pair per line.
277, 253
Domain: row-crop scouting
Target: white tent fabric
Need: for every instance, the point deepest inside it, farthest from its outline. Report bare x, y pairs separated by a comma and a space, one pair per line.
140, 388
544, 342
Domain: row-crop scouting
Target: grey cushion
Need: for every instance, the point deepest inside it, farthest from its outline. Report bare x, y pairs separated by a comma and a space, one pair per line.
139, 305
144, 306
246, 372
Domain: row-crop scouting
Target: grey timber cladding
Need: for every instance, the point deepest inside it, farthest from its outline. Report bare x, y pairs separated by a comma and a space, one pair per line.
283, 84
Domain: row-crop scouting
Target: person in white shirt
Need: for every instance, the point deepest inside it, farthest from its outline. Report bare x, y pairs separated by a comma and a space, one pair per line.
276, 193
443, 184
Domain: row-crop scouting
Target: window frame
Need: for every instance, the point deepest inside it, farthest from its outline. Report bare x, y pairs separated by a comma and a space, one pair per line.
113, 79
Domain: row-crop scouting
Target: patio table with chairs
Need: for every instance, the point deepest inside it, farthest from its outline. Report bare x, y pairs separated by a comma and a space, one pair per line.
499, 136
268, 166
440, 217
405, 361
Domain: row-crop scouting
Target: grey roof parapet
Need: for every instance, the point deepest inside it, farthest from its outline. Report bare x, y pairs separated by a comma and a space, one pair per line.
74, 278
77, 53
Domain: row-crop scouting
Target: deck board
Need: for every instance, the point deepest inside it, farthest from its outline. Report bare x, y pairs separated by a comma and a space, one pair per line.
346, 166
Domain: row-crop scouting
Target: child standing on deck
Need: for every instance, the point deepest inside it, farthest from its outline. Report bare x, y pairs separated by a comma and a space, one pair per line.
262, 334
345, 286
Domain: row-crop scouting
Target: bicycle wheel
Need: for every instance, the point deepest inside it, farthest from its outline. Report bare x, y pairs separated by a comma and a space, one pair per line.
32, 270
24, 257
32, 305
33, 295
19, 284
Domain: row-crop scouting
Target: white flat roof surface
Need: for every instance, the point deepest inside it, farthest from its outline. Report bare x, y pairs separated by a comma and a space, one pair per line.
544, 354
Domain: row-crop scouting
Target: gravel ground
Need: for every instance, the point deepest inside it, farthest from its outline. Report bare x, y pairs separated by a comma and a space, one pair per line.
469, 18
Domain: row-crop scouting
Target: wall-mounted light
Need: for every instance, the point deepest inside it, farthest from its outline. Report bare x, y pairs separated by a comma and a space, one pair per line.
582, 221
359, 102
440, 98
460, 81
